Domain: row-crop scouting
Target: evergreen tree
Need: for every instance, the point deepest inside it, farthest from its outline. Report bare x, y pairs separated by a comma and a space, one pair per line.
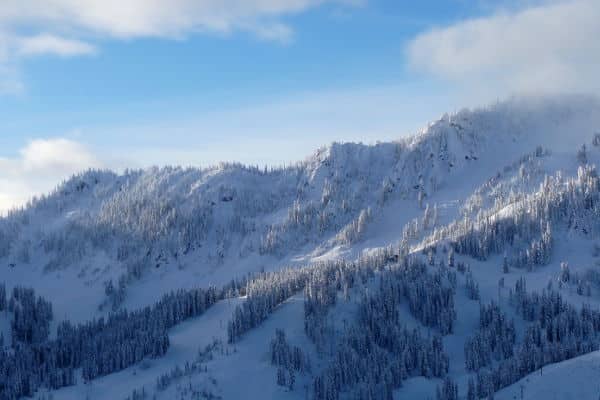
281, 376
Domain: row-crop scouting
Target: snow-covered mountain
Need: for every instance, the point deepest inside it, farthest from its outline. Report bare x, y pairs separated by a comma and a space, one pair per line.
459, 259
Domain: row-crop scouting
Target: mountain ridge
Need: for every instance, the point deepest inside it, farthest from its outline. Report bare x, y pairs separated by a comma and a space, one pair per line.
121, 241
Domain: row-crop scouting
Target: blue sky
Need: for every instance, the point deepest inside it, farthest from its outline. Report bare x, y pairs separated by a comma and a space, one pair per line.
335, 47
138, 82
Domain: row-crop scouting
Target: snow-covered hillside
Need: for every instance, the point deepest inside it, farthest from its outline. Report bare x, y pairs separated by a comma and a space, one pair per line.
576, 378
419, 268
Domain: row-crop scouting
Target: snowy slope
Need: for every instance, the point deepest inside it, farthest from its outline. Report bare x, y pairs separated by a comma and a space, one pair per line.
576, 378
158, 230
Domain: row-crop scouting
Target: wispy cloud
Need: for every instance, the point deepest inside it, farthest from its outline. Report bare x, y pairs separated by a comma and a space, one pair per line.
70, 28
39, 166
272, 131
15, 47
155, 18
547, 47
50, 44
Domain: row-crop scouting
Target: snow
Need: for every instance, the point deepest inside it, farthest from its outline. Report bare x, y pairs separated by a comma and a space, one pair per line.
574, 379
186, 339
455, 159
245, 371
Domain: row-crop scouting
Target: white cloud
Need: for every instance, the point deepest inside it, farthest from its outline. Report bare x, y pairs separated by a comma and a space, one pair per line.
68, 27
549, 47
50, 44
56, 156
40, 165
14, 47
150, 18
